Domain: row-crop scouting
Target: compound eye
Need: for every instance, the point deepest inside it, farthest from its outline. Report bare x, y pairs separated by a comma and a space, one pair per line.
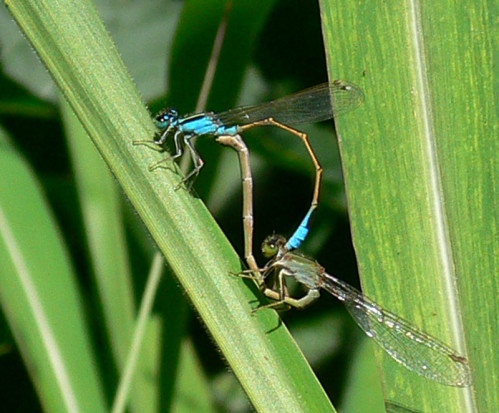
269, 248
162, 117
168, 116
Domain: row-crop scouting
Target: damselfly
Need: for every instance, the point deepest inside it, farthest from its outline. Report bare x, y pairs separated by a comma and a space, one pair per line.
404, 342
315, 104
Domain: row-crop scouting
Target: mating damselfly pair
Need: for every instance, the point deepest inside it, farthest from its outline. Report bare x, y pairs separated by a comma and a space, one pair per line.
318, 103
416, 350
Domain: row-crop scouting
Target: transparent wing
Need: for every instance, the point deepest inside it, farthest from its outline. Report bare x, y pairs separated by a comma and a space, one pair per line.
416, 350
315, 104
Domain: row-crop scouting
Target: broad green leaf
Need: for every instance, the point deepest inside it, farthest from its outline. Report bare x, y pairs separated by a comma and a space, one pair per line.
420, 167
363, 392
40, 297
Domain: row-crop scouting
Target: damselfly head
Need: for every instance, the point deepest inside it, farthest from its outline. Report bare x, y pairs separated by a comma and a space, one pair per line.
272, 245
166, 117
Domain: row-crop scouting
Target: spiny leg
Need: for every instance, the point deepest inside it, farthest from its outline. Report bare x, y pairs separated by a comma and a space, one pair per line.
198, 164
157, 143
158, 146
302, 231
285, 300
150, 144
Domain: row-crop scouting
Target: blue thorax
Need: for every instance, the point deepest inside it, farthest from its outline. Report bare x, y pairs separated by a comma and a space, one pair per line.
197, 124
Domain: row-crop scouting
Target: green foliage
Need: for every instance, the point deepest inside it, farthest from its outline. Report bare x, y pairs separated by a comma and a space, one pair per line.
419, 165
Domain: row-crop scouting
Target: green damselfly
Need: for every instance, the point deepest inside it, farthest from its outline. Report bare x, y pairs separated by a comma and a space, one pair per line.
404, 342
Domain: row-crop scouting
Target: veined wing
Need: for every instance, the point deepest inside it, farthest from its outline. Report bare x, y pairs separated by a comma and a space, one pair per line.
411, 347
315, 104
